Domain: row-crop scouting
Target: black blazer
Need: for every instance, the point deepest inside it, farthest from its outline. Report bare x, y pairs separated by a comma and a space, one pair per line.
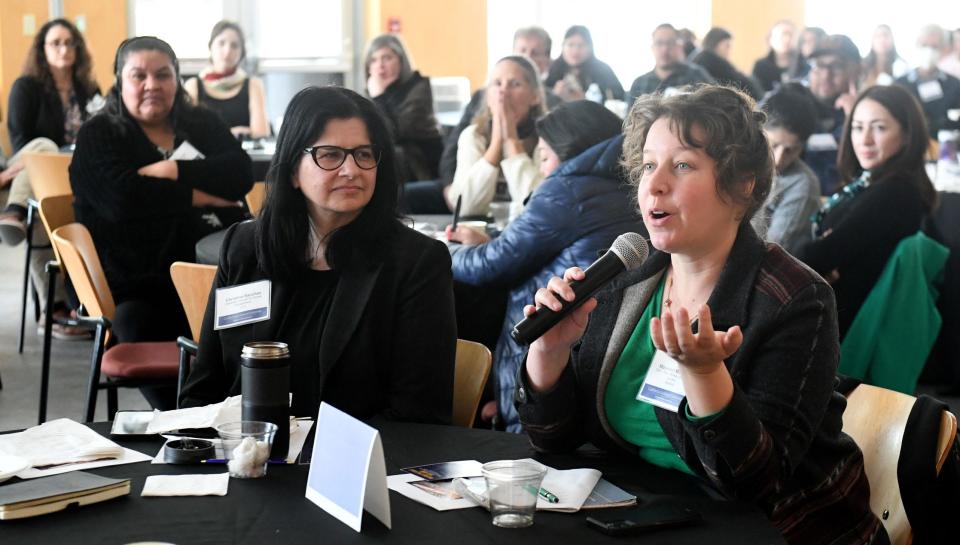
387, 347
32, 112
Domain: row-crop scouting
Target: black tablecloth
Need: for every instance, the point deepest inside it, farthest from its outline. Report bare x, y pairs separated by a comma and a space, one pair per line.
273, 510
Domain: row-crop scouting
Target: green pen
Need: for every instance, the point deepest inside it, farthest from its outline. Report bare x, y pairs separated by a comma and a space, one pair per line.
547, 495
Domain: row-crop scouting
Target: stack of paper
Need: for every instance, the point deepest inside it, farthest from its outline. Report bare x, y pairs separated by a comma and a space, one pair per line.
64, 445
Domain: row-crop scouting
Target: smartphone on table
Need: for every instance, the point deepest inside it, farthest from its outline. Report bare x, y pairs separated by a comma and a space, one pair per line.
647, 518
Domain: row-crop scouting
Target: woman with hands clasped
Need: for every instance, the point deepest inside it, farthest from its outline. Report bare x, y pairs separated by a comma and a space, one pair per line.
716, 357
145, 205
497, 157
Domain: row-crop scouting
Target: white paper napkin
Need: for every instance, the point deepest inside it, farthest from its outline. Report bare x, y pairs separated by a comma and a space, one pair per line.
186, 485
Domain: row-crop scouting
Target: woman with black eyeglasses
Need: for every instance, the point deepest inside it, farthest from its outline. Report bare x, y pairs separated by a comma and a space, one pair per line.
151, 175
364, 303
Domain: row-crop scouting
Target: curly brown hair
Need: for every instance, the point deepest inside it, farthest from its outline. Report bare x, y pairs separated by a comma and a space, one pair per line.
732, 126
82, 71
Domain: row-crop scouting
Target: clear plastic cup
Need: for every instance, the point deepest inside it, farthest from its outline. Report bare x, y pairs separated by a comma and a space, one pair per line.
512, 488
246, 447
500, 213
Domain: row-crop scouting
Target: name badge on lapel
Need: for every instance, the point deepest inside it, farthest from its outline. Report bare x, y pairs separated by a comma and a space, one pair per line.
240, 305
662, 386
930, 91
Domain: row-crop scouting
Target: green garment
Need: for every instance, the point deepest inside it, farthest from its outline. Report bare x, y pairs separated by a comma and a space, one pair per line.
633, 419
893, 332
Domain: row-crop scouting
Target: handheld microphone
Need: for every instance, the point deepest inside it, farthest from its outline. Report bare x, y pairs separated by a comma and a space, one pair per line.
629, 250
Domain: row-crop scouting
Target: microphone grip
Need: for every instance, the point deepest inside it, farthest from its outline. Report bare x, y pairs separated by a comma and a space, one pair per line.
595, 277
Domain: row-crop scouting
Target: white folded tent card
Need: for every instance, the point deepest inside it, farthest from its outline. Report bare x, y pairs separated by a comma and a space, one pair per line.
347, 469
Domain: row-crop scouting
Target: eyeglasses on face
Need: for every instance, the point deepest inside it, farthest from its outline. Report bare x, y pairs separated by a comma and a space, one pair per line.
57, 44
332, 157
833, 67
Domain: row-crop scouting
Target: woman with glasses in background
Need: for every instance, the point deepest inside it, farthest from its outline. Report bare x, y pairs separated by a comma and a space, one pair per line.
364, 303
48, 102
226, 88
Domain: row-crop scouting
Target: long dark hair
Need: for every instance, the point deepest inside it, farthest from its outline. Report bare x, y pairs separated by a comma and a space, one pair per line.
283, 227
37, 67
114, 107
573, 127
870, 62
559, 67
908, 163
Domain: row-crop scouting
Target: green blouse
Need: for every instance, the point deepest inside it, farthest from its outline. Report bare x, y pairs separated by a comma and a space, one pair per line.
633, 419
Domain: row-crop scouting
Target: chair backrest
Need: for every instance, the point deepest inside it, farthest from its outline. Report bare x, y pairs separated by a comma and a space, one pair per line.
48, 172
56, 212
256, 197
450, 94
79, 257
469, 378
876, 418
193, 282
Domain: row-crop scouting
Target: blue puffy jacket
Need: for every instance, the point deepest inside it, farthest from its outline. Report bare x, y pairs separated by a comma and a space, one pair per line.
570, 220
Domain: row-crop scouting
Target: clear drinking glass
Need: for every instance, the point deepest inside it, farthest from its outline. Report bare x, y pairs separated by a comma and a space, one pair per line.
513, 487
246, 447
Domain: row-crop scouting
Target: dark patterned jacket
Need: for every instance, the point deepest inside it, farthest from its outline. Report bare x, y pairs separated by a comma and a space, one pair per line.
778, 443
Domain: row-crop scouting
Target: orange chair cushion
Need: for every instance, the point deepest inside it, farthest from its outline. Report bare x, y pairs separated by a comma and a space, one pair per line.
142, 360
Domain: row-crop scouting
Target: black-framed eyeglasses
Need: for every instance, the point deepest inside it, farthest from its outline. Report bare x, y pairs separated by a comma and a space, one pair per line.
57, 44
332, 157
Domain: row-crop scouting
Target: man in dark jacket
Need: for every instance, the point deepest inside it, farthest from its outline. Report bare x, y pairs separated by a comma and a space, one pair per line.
671, 71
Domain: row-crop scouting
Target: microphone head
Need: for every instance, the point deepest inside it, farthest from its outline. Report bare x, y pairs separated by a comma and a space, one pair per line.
632, 249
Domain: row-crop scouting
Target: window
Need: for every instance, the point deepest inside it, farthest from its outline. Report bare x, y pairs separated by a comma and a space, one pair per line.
620, 30
184, 24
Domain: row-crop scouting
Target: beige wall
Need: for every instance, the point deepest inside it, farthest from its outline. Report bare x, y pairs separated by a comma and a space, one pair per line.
749, 21
14, 44
445, 37
106, 27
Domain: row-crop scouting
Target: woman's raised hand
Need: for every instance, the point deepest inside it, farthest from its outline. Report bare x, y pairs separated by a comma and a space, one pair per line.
549, 354
700, 353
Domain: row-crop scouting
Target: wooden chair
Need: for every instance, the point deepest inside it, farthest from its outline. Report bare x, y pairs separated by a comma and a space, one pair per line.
256, 197
469, 378
124, 364
193, 282
875, 418
49, 177
55, 212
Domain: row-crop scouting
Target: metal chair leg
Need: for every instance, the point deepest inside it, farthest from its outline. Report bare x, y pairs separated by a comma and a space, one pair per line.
26, 278
52, 269
112, 401
95, 360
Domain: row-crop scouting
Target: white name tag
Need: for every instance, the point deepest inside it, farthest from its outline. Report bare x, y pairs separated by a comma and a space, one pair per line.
663, 386
930, 91
822, 141
241, 305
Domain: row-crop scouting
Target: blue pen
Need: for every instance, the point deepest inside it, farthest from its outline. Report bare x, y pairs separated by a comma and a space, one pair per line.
222, 461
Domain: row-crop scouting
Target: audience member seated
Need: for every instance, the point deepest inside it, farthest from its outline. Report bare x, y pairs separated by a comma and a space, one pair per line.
497, 157
950, 63
47, 104
405, 99
810, 40
795, 196
364, 303
774, 69
938, 91
759, 420
580, 208
532, 42
670, 71
834, 73
225, 87
882, 64
144, 209
577, 68
688, 42
885, 198
714, 58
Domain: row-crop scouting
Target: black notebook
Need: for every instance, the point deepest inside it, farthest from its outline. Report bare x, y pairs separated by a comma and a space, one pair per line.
50, 494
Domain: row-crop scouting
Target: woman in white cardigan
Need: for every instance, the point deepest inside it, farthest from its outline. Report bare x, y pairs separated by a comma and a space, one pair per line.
497, 159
